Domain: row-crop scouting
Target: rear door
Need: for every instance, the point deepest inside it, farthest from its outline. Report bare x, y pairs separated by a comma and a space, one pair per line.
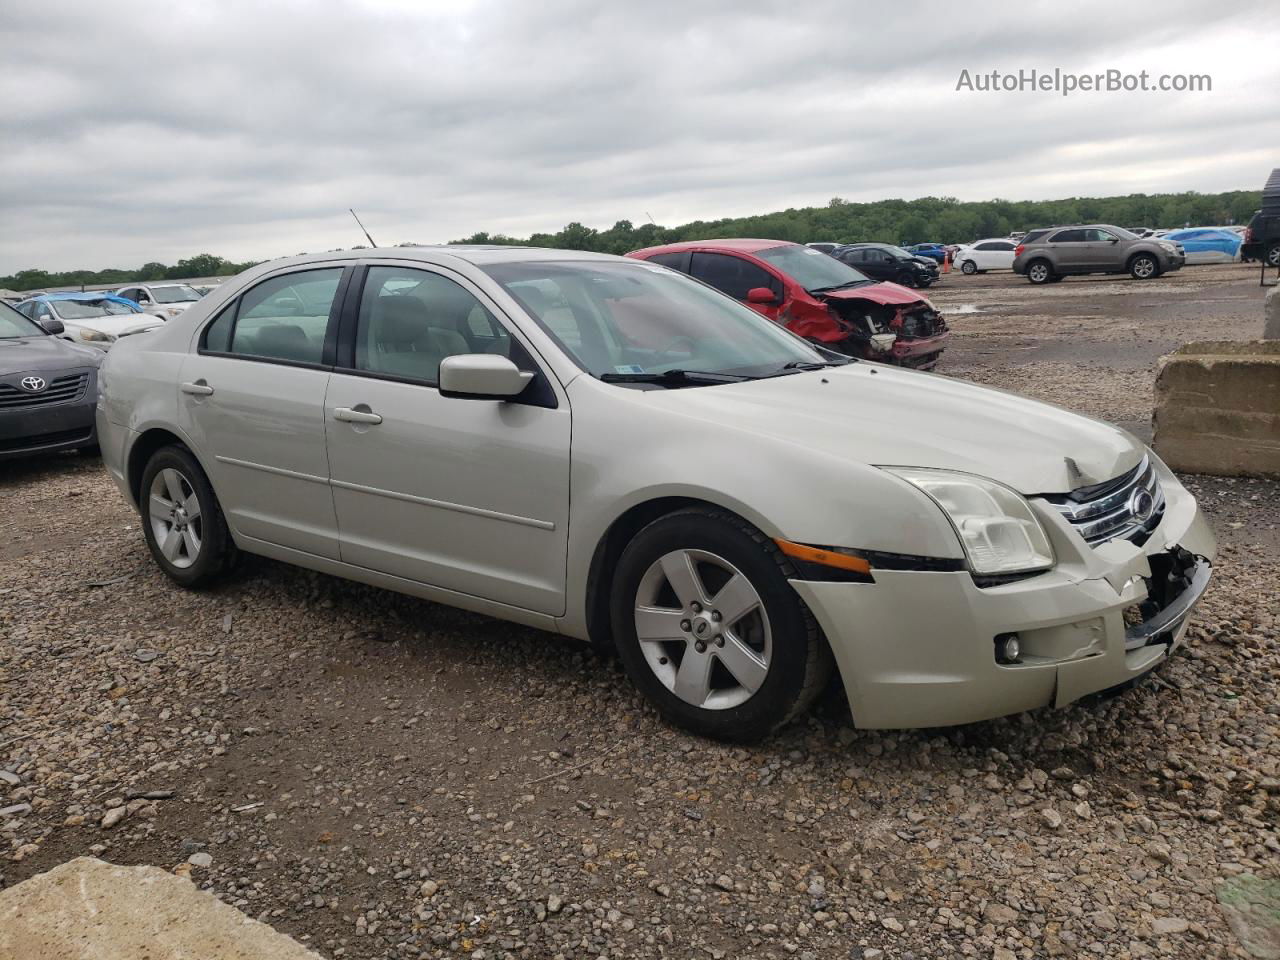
252, 401
466, 495
1070, 250
995, 255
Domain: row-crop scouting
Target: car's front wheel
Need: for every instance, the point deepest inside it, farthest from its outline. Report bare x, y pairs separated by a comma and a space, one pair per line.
1144, 267
1273, 255
710, 630
969, 268
182, 520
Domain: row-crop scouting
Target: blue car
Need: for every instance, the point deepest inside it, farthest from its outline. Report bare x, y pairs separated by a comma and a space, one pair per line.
1208, 244
934, 251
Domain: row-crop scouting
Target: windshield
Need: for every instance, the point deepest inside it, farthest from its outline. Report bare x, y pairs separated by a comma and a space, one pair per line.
812, 269
620, 319
88, 309
897, 252
180, 293
1122, 233
14, 325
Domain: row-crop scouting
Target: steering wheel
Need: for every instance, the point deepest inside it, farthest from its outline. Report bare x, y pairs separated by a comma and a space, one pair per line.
671, 345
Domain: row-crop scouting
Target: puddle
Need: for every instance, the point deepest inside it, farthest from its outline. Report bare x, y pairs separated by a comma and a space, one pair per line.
963, 308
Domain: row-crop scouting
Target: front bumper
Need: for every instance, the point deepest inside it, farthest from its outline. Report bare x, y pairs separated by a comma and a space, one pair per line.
1172, 261
917, 649
920, 352
63, 426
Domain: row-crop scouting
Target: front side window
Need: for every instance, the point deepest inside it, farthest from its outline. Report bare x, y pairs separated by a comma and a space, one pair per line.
676, 261
812, 269
412, 319
282, 318
731, 275
637, 319
1068, 236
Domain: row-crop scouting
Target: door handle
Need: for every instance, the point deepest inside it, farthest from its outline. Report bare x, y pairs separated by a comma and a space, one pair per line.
198, 389
347, 415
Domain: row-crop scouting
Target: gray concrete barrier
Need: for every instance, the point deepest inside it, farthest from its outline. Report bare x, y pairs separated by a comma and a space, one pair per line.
1218, 408
90, 910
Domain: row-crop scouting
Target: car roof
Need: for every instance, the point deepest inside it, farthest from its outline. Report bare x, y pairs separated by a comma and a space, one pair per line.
85, 295
735, 244
480, 255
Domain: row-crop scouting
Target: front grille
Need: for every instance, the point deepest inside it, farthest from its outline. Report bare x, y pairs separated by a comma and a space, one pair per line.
1106, 511
67, 389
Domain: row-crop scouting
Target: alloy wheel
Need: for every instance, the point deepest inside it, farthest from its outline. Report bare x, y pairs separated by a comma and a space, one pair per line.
1038, 272
175, 516
703, 629
1144, 268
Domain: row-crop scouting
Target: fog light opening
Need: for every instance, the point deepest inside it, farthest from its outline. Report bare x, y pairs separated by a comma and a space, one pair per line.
1008, 648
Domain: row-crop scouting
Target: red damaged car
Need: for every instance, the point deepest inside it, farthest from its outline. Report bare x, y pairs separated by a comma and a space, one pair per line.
815, 296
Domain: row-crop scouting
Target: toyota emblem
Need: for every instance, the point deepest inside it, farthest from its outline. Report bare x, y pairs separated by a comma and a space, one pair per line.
33, 384
1141, 505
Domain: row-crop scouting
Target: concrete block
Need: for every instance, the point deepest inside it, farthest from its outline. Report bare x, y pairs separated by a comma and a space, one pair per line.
1271, 312
90, 910
1218, 408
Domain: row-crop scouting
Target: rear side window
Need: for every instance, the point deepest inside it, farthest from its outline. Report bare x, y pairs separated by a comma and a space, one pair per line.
1033, 236
282, 318
729, 274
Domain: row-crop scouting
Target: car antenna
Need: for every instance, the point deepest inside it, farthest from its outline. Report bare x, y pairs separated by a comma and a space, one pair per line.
366, 232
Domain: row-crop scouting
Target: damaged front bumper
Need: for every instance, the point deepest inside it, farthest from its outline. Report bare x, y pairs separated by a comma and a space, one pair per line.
920, 649
922, 353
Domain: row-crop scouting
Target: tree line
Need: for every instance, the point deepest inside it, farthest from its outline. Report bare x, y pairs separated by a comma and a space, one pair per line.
940, 219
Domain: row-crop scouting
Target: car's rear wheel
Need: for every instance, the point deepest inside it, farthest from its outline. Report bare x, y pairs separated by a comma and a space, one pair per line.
182, 520
969, 267
1144, 267
710, 630
1273, 255
1039, 271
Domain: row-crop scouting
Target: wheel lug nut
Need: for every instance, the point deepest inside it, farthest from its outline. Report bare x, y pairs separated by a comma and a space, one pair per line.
719, 641
700, 647
697, 607
686, 626
715, 615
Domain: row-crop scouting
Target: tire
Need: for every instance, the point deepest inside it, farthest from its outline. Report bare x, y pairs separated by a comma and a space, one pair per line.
751, 673
203, 550
1273, 255
1040, 271
1144, 267
968, 268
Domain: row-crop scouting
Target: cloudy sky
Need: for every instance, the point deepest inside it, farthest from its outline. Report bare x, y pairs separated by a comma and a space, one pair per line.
153, 131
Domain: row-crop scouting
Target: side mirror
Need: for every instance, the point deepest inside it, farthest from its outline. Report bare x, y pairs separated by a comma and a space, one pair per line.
761, 295
53, 327
481, 376
1113, 239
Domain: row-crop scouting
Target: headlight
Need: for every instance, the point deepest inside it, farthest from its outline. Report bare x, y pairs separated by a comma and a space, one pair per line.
1168, 246
173, 311
996, 525
95, 336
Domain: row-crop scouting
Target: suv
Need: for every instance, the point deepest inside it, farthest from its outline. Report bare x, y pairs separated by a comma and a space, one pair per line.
1094, 248
884, 261
1262, 236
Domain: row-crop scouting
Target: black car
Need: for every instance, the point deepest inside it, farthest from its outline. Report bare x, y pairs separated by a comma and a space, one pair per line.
1262, 237
48, 388
883, 261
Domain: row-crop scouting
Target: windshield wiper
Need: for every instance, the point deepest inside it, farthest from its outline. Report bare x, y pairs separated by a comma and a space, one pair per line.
838, 286
675, 378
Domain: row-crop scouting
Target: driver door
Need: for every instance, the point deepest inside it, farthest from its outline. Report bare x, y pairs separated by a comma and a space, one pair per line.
466, 495
737, 277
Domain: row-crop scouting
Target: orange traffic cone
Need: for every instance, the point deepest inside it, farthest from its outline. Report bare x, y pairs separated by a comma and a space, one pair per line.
946, 261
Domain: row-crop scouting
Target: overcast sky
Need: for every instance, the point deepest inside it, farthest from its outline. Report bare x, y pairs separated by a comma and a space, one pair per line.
137, 131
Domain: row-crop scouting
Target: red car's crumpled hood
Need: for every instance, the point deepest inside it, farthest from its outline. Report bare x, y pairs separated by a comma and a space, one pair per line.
886, 293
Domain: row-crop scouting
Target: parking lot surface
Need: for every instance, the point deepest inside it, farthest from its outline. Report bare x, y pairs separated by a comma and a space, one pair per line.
381, 777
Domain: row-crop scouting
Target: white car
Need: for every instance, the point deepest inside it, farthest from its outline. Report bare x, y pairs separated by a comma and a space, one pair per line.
93, 319
994, 253
164, 300
605, 448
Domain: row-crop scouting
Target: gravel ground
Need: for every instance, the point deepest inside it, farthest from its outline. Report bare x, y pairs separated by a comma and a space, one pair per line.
385, 778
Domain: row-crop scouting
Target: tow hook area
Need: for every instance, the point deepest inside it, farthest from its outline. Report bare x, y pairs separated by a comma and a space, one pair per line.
1178, 580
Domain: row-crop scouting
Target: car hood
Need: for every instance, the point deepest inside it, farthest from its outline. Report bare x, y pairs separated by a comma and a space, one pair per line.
36, 354
886, 416
121, 325
885, 293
